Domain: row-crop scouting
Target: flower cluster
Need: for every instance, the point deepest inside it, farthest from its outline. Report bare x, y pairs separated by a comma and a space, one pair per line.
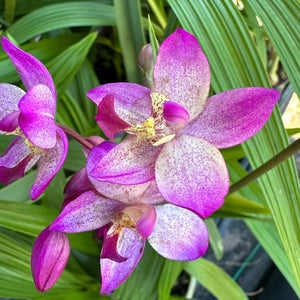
158, 184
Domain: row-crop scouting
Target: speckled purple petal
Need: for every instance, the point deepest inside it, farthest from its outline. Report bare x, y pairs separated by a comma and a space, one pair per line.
107, 118
49, 164
179, 234
181, 72
87, 212
130, 162
132, 101
174, 112
49, 257
36, 119
10, 96
232, 117
146, 222
30, 69
191, 173
115, 273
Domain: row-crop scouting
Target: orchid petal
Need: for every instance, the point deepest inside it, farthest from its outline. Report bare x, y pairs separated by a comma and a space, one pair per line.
130, 162
30, 69
9, 99
36, 119
191, 173
87, 212
179, 234
15, 160
233, 116
109, 248
115, 273
132, 101
49, 257
181, 72
10, 122
49, 164
107, 118
146, 222
94, 140
174, 112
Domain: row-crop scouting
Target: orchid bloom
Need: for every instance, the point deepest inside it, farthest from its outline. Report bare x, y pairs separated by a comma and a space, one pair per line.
30, 116
175, 129
126, 216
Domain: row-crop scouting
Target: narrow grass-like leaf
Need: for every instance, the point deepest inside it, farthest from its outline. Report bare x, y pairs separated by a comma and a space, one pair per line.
215, 279
232, 53
215, 240
61, 15
128, 17
153, 40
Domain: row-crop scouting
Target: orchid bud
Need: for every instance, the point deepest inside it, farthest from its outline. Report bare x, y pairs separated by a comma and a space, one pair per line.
146, 64
49, 257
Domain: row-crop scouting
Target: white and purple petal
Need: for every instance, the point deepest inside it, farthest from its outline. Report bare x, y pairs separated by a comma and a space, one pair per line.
181, 72
191, 173
231, 117
115, 273
49, 164
179, 234
30, 69
87, 212
132, 101
130, 162
36, 119
49, 257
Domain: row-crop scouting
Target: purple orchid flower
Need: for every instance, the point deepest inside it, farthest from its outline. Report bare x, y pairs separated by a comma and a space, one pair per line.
176, 129
30, 116
126, 216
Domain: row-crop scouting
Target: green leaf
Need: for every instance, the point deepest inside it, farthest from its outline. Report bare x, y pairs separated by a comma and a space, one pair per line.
215, 279
61, 15
170, 271
128, 16
143, 282
65, 66
215, 240
153, 40
232, 53
75, 159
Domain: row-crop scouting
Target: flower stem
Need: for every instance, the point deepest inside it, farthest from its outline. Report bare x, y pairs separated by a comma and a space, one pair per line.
273, 162
76, 136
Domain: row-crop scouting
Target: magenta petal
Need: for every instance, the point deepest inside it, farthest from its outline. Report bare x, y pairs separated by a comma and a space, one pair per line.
181, 72
179, 234
107, 118
191, 173
130, 162
234, 116
146, 222
49, 164
37, 116
87, 212
109, 248
174, 112
30, 69
10, 96
10, 122
115, 273
132, 101
49, 257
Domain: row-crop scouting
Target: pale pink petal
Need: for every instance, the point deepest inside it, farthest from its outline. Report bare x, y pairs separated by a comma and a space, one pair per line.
107, 118
232, 117
30, 69
87, 212
49, 164
146, 222
174, 112
77, 185
49, 257
179, 234
115, 273
10, 96
130, 162
181, 72
191, 173
36, 119
132, 101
